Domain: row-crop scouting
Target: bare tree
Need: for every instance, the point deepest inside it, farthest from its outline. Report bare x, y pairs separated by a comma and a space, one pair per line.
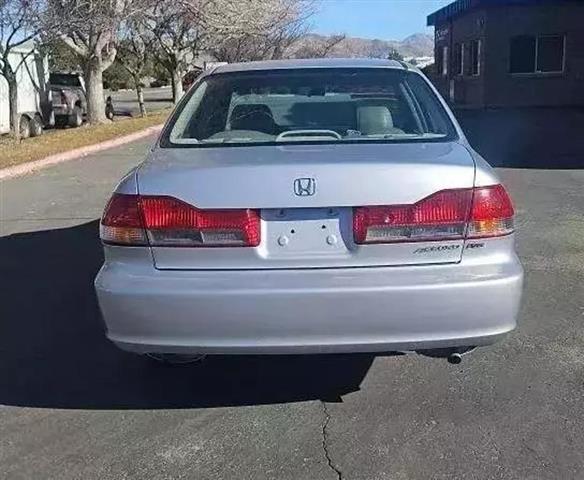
318, 47
134, 54
91, 29
265, 31
394, 54
229, 30
19, 25
175, 30
378, 49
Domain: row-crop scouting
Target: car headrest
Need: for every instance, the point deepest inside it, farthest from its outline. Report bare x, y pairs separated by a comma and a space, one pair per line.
257, 117
374, 119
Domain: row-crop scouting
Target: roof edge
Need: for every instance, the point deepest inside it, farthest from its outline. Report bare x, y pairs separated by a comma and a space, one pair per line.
309, 63
459, 7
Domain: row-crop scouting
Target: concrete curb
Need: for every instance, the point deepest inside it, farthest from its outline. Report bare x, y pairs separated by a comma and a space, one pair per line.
26, 168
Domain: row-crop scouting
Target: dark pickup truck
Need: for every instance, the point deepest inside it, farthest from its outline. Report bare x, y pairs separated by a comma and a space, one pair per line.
69, 100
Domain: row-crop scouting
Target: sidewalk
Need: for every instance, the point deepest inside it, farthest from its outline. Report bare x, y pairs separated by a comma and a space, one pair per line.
57, 146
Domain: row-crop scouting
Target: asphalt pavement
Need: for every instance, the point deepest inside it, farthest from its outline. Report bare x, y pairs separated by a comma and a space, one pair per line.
126, 102
73, 406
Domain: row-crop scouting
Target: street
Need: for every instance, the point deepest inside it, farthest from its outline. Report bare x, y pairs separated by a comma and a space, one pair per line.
126, 103
73, 406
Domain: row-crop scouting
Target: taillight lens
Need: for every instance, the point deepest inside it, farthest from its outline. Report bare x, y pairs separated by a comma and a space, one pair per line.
122, 221
166, 221
441, 216
492, 213
445, 215
170, 222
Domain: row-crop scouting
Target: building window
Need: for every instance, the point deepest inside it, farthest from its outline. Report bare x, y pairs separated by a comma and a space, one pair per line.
459, 59
475, 57
550, 54
543, 54
444, 61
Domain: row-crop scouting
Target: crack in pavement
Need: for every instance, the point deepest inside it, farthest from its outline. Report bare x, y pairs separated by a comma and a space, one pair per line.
325, 446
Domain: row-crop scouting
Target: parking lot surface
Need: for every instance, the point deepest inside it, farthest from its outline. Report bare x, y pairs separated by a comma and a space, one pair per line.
73, 406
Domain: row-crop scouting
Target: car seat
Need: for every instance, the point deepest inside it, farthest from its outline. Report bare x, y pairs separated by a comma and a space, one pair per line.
375, 120
256, 117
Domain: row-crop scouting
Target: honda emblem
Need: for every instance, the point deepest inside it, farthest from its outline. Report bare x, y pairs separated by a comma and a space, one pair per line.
305, 187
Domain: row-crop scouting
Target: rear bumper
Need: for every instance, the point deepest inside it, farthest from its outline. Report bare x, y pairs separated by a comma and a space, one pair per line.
61, 110
309, 311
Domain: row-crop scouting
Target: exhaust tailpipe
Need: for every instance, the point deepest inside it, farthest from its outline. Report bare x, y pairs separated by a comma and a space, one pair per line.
455, 358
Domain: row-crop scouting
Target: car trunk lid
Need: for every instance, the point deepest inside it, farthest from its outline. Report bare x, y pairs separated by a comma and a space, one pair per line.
305, 196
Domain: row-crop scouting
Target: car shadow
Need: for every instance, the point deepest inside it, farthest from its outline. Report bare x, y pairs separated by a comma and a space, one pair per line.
53, 352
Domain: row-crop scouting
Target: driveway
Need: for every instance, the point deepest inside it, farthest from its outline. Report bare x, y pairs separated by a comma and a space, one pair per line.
75, 407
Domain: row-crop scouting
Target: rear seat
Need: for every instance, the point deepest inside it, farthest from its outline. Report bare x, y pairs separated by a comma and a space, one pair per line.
375, 120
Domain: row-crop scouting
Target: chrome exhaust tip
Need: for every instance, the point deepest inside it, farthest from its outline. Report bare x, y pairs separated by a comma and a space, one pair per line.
452, 355
454, 358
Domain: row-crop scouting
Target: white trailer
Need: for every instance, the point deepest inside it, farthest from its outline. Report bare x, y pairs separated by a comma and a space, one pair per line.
33, 94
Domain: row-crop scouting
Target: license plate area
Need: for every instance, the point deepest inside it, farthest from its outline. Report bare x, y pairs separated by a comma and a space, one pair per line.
307, 232
295, 239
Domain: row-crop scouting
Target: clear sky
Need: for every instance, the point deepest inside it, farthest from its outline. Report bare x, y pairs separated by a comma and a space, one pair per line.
383, 19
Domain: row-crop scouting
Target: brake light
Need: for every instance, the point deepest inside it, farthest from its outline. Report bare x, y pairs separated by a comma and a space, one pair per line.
172, 222
167, 221
445, 215
492, 213
122, 221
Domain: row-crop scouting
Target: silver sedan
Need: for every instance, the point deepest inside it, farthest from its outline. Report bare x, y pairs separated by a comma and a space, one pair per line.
309, 206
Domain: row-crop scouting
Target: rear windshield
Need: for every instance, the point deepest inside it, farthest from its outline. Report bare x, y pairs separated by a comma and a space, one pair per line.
64, 79
269, 107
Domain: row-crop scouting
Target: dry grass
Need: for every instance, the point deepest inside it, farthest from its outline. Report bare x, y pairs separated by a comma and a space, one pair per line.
57, 141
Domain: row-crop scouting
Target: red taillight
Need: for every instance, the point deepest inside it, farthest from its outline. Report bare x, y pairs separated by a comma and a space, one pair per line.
166, 221
492, 213
445, 215
440, 216
171, 222
122, 221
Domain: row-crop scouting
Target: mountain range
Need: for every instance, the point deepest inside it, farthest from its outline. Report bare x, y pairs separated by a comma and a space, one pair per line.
414, 46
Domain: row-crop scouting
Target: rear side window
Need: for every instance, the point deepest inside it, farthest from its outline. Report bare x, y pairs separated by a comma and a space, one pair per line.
313, 105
